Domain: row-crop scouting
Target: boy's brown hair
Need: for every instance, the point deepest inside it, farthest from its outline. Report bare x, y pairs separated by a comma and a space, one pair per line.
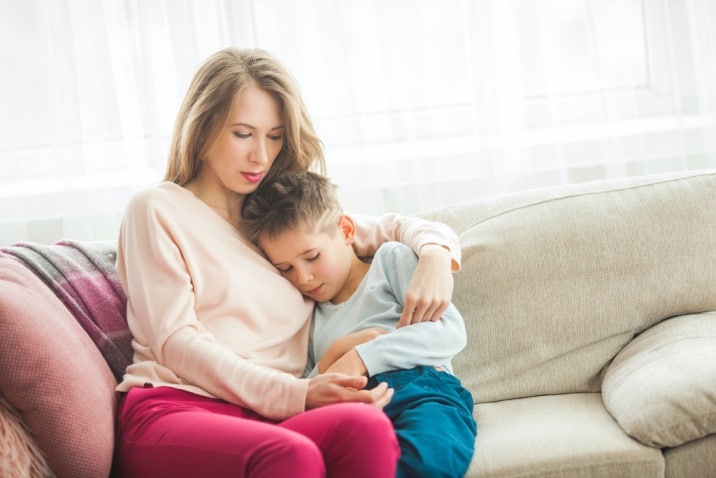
296, 199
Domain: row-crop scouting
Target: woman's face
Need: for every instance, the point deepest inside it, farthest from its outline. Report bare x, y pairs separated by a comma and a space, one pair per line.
248, 146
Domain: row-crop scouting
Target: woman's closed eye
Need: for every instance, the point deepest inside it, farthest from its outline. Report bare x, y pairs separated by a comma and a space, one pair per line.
272, 137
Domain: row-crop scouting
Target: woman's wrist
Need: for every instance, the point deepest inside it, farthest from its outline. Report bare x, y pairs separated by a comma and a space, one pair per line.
439, 253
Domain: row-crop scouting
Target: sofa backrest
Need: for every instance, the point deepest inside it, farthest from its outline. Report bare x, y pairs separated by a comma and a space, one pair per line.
555, 282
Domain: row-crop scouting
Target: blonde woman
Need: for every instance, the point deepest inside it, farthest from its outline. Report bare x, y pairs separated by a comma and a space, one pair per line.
219, 337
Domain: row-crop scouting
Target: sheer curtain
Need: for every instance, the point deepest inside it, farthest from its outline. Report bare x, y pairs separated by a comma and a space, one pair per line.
420, 103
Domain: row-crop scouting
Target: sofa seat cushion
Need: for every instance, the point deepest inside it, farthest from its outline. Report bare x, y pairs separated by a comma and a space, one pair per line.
55, 377
557, 435
661, 387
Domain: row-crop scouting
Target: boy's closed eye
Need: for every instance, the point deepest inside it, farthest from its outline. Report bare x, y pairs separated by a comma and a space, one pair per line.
285, 269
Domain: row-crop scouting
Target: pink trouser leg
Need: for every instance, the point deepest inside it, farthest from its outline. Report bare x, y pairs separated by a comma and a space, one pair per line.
357, 440
165, 432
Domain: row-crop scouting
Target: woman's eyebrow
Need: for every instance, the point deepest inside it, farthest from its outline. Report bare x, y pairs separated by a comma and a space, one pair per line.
254, 127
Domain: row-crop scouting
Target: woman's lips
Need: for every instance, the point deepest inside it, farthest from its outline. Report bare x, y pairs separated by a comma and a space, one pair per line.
253, 177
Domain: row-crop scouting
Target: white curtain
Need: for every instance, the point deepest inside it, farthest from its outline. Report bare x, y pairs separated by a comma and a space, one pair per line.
420, 103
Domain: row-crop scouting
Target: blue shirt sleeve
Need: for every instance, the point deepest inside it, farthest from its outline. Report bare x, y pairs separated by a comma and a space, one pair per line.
425, 343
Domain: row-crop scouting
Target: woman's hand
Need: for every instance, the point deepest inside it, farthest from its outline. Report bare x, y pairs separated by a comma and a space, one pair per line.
329, 388
430, 290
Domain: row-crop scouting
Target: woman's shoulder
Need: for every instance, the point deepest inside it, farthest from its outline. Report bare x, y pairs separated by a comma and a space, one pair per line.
159, 196
164, 189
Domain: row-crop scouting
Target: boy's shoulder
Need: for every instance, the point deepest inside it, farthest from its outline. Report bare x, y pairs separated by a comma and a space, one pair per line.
391, 247
393, 251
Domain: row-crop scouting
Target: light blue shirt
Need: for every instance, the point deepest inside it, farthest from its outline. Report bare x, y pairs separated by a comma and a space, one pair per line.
378, 302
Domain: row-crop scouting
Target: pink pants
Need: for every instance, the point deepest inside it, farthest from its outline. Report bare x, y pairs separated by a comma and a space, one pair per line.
165, 432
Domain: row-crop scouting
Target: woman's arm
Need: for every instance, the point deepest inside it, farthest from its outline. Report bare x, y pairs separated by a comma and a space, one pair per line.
438, 248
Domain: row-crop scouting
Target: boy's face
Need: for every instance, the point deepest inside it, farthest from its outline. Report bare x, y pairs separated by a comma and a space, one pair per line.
317, 263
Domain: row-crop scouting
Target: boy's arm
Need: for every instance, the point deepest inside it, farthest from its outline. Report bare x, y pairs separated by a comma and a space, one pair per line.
349, 363
345, 344
426, 343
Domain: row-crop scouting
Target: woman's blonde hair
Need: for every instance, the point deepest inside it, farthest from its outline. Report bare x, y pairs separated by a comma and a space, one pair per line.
207, 106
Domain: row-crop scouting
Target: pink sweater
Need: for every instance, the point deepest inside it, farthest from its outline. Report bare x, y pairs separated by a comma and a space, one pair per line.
210, 315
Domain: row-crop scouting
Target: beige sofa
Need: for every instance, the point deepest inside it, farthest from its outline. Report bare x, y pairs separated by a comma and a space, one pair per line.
592, 336
592, 328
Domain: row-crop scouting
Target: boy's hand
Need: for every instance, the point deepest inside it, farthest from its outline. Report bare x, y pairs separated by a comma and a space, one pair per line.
326, 389
430, 290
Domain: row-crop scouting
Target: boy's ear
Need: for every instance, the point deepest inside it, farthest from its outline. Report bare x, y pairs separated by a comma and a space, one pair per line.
347, 227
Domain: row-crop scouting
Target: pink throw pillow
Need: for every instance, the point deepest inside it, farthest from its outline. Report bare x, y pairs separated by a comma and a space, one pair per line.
54, 376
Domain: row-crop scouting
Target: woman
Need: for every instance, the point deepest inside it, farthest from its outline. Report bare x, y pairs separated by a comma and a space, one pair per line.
220, 338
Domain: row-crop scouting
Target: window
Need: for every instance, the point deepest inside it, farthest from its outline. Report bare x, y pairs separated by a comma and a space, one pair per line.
419, 102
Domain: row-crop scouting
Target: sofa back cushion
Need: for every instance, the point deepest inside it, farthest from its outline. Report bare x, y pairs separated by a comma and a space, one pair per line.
555, 282
54, 376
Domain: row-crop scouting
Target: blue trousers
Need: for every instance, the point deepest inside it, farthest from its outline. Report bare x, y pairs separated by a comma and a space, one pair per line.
432, 415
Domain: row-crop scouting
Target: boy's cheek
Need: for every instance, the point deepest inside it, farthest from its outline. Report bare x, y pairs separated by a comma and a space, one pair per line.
293, 280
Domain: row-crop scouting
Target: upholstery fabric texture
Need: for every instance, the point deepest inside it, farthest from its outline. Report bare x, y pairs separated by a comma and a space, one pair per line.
54, 376
531, 437
694, 459
661, 387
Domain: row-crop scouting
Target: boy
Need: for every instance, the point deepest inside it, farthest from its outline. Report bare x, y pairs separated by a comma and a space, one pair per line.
299, 224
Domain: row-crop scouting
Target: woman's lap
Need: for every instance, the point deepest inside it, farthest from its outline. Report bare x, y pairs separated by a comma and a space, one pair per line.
357, 440
169, 432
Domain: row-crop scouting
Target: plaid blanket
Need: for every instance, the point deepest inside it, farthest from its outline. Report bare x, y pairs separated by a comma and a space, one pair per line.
83, 276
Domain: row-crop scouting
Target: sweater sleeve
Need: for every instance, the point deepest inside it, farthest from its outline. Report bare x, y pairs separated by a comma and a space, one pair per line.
414, 232
426, 343
171, 344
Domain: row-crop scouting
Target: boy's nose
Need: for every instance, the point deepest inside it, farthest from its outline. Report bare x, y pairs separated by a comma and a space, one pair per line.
305, 277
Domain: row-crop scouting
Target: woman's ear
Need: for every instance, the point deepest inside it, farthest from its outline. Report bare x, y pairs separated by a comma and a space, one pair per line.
347, 227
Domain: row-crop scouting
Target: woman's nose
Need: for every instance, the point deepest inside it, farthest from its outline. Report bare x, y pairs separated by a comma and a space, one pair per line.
260, 154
